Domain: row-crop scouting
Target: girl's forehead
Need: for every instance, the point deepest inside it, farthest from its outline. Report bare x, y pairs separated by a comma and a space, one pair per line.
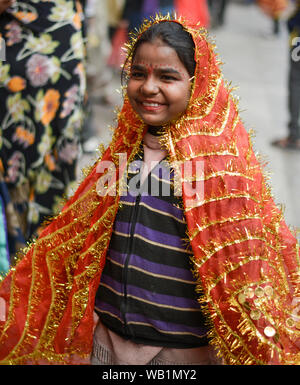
157, 54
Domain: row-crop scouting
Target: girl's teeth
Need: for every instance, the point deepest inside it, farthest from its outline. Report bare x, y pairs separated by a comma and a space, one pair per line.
151, 104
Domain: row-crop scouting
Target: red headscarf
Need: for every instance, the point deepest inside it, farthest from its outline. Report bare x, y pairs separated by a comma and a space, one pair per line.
245, 257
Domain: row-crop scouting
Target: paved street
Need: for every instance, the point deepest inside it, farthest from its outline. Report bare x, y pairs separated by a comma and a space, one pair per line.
257, 64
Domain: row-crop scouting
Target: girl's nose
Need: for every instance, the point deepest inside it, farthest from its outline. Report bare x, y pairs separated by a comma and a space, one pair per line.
149, 86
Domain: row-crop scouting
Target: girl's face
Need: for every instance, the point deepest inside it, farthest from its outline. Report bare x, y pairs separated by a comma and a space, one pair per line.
159, 87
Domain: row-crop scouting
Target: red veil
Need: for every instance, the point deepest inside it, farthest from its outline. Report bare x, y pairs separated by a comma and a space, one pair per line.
245, 257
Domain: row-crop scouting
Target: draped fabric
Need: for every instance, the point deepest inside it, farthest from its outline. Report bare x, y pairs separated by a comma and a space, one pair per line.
245, 257
273, 8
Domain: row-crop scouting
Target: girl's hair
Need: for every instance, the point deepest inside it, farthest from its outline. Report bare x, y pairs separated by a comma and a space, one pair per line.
176, 37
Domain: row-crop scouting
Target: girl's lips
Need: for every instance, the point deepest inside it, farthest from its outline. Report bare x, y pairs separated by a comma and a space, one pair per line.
151, 105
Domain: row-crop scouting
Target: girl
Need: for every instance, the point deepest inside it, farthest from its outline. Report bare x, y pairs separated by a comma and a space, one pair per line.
121, 251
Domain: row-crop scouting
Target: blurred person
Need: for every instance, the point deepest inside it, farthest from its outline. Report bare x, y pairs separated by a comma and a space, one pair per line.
166, 6
119, 13
152, 7
217, 10
133, 14
293, 139
114, 14
130, 20
42, 89
194, 11
99, 74
135, 11
274, 9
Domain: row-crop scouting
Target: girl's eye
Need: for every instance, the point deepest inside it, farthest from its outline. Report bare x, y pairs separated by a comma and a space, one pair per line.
136, 75
168, 78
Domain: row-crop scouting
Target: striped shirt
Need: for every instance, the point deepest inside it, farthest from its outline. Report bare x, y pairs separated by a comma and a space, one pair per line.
147, 290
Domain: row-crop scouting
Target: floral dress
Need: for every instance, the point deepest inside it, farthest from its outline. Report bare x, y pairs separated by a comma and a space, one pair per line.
42, 93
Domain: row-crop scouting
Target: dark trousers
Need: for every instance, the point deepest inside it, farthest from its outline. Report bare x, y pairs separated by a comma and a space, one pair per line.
294, 98
217, 10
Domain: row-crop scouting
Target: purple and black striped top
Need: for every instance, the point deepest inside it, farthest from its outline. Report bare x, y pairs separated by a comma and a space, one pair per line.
147, 290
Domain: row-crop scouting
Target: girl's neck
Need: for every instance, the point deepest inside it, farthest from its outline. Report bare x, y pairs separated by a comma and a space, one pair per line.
155, 130
152, 142
154, 152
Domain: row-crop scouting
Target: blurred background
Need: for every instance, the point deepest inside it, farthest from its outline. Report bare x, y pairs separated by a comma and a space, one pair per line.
253, 44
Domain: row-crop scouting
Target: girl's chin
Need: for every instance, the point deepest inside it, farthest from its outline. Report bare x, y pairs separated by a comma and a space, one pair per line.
154, 122
155, 126
152, 119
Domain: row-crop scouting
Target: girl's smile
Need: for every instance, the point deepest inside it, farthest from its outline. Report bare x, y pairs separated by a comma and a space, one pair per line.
159, 86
